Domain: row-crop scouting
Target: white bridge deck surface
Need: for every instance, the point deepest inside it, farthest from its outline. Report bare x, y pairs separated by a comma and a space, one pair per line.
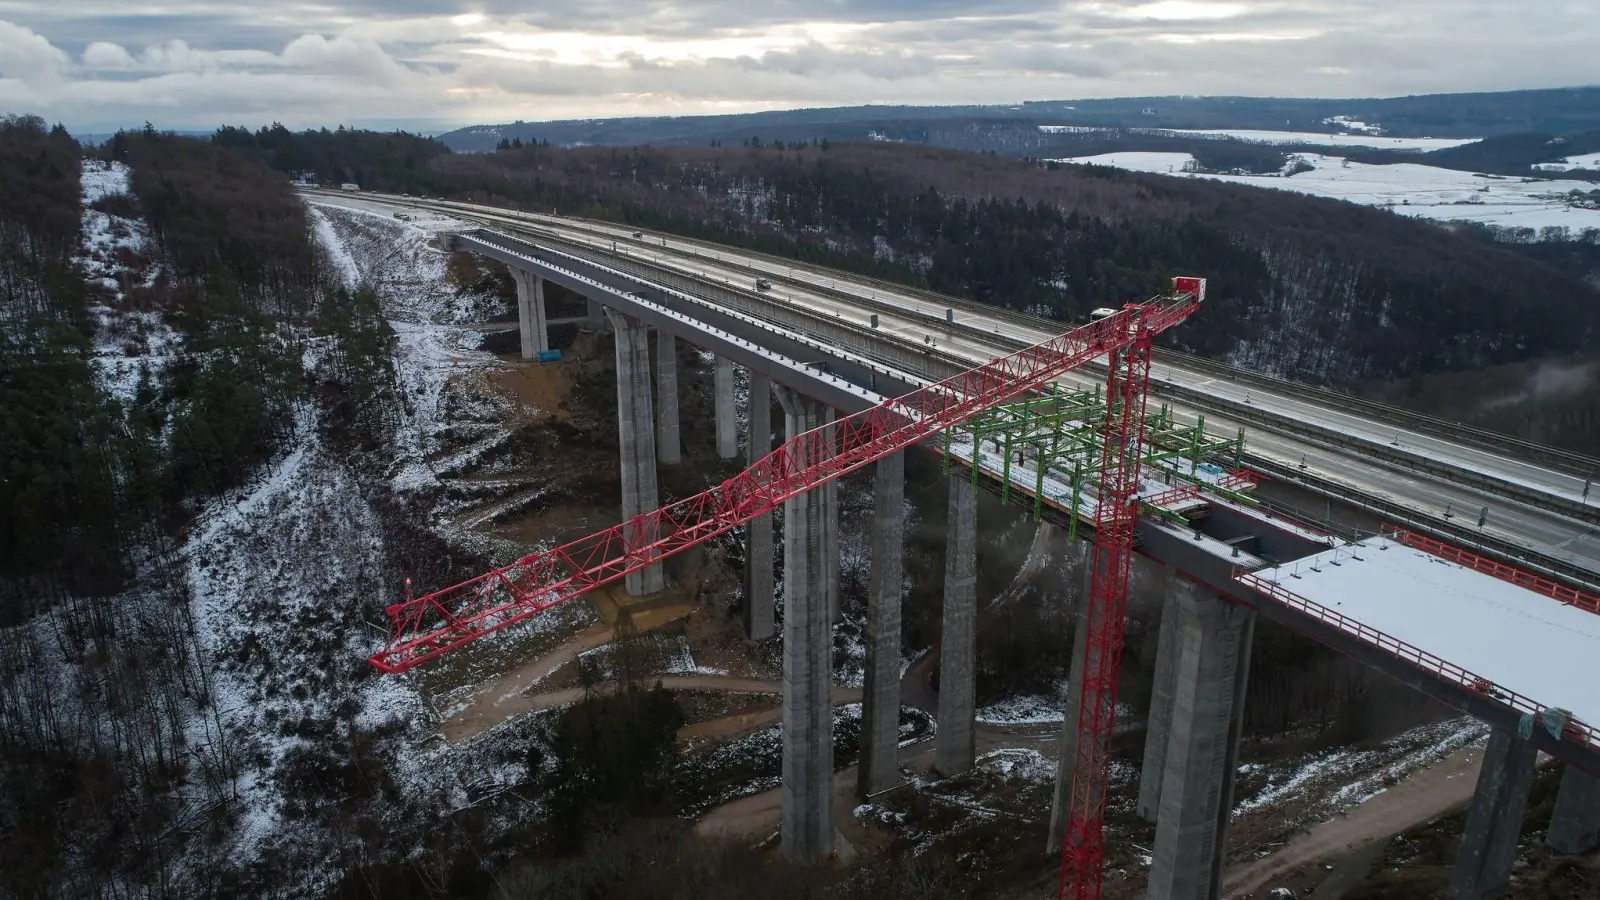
1520, 640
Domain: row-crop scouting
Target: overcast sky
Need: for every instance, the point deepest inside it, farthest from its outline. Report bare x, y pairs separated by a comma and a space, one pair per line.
97, 64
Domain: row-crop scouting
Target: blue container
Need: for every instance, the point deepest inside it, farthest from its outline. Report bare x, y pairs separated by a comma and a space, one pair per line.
549, 356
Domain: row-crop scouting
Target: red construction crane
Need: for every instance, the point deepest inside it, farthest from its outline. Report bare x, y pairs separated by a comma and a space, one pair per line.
1083, 846
424, 627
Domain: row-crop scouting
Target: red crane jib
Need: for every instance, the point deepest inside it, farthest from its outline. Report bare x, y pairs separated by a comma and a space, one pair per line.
427, 626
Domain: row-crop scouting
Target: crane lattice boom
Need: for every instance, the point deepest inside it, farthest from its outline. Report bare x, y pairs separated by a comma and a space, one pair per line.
425, 627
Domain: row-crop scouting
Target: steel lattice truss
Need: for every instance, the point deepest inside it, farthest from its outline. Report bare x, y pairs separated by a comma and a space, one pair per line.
1058, 435
425, 627
1083, 848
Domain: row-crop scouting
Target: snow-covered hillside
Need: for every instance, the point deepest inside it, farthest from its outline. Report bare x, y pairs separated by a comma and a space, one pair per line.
1407, 188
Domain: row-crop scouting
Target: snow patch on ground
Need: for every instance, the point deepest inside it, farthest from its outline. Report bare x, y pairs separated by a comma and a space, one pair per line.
1352, 776
399, 261
1587, 161
1410, 189
130, 345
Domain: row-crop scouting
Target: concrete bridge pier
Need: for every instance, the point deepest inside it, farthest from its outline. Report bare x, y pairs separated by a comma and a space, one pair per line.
807, 796
636, 433
532, 324
1069, 726
954, 751
1494, 821
1575, 822
758, 587
669, 448
1212, 664
880, 707
727, 417
1159, 724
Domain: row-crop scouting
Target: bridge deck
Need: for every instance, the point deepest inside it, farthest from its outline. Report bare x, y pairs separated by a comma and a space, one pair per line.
1528, 646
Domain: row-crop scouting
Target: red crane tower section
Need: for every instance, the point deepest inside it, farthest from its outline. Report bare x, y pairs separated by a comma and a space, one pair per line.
424, 627
1083, 846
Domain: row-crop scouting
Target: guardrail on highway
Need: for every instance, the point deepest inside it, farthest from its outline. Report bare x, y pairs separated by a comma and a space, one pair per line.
1417, 462
1568, 461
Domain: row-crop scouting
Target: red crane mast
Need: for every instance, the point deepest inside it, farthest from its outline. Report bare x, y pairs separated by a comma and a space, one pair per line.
424, 627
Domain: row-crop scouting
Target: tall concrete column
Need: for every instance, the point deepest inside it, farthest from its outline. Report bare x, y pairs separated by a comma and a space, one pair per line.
1159, 723
1212, 667
1575, 822
953, 752
807, 813
758, 587
1061, 802
727, 416
1494, 821
531, 320
880, 706
636, 434
669, 449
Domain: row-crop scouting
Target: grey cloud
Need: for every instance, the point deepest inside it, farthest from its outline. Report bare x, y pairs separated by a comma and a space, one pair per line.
197, 62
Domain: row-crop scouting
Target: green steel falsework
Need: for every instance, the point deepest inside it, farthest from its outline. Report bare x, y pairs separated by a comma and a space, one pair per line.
1062, 428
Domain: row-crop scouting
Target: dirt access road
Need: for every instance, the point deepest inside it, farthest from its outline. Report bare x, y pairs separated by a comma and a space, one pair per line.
1426, 794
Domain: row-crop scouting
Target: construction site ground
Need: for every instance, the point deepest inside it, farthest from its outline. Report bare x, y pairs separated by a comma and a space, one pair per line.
993, 818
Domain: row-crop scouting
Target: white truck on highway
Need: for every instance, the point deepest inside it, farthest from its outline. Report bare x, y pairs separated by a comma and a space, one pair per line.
350, 187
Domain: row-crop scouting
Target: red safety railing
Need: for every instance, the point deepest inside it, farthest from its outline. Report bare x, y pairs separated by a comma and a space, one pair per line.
1449, 671
1170, 497
1240, 479
1551, 589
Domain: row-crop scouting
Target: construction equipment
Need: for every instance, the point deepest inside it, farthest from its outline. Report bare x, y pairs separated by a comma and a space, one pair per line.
424, 627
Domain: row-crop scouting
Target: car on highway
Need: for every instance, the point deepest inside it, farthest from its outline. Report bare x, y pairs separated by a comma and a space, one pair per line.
763, 285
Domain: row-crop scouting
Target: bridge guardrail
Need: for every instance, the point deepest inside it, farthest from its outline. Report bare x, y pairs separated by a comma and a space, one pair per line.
1417, 520
1575, 729
1571, 462
1245, 412
1416, 462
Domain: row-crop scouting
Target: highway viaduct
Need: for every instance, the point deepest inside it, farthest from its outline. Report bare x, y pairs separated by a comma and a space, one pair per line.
816, 366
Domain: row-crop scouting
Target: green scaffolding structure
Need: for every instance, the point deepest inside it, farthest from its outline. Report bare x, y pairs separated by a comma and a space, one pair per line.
1057, 435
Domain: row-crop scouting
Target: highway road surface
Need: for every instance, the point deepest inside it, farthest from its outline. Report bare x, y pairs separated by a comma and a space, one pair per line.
920, 321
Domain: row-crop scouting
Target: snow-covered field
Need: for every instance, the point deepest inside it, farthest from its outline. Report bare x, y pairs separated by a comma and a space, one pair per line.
1316, 139
1587, 161
1409, 189
1312, 138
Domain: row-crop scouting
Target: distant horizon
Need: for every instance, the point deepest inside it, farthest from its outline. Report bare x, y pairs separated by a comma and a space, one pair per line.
433, 127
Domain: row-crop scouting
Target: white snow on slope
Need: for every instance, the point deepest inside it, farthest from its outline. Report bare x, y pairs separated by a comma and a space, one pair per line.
1409, 189
1587, 161
1313, 138
401, 262
1522, 641
129, 344
1316, 139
